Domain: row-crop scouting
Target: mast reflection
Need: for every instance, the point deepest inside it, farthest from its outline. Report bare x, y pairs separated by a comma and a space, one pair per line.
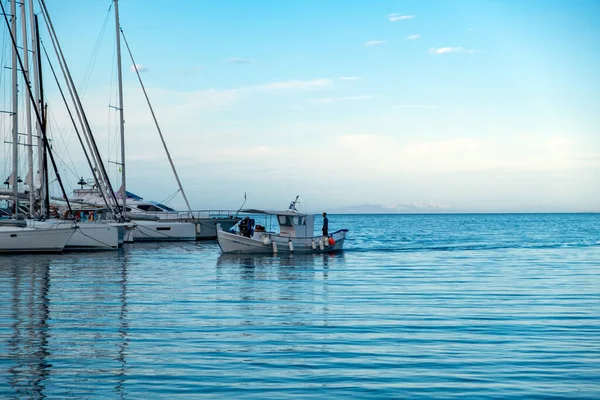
64, 325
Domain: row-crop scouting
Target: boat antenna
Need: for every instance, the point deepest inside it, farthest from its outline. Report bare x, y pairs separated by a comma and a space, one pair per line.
240, 209
293, 204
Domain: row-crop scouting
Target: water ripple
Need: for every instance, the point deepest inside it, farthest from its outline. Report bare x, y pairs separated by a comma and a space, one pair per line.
472, 306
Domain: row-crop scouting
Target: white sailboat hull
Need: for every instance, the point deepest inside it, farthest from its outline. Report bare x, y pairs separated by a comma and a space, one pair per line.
163, 231
262, 243
34, 240
88, 236
94, 237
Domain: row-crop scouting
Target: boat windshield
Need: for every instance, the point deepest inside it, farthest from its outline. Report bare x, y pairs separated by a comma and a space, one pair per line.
164, 207
286, 220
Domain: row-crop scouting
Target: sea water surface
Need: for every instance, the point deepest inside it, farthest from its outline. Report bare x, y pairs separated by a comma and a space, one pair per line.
483, 306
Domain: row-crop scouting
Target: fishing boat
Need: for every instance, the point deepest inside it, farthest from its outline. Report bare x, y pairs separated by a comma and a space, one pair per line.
296, 234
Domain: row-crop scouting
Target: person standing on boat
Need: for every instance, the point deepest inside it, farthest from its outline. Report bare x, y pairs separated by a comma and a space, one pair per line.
325, 225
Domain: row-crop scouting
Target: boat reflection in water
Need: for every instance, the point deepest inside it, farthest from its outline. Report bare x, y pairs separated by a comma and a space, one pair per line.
63, 327
266, 270
284, 260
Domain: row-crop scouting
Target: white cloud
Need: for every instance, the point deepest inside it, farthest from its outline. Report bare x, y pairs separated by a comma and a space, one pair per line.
413, 37
189, 70
349, 78
323, 100
364, 154
295, 85
397, 17
415, 106
390, 154
140, 68
366, 97
448, 50
371, 43
236, 60
329, 100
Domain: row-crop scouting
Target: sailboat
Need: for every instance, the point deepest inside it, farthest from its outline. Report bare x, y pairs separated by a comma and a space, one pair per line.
155, 220
146, 230
15, 234
86, 235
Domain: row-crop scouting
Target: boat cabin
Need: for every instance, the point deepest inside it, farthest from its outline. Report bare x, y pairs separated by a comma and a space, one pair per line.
291, 223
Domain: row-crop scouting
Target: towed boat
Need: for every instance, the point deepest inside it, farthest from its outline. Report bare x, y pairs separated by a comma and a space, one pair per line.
296, 235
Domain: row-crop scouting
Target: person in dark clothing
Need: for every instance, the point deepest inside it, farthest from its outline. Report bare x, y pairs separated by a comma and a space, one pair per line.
251, 227
325, 225
245, 227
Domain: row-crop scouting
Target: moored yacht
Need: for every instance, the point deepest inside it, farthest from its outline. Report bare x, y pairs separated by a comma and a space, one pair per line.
155, 219
148, 226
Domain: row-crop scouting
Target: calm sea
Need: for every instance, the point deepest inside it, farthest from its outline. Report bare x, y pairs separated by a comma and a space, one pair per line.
417, 306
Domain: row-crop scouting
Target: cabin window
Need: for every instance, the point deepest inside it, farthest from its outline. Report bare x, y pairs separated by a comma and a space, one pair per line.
284, 220
299, 220
165, 207
149, 207
163, 228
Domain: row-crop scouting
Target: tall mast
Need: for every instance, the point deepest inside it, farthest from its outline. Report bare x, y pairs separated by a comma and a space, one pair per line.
100, 175
120, 107
29, 178
38, 106
15, 118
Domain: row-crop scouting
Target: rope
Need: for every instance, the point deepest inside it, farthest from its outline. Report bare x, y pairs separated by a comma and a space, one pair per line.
88, 236
170, 197
158, 242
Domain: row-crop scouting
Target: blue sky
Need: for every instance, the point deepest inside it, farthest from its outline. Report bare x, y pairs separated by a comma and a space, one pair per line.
414, 105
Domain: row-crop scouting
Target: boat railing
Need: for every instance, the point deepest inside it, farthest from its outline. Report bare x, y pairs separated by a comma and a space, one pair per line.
188, 215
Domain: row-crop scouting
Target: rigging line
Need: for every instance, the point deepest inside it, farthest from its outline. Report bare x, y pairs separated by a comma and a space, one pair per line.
73, 121
170, 197
90, 237
64, 142
66, 167
95, 51
155, 121
81, 114
171, 244
41, 121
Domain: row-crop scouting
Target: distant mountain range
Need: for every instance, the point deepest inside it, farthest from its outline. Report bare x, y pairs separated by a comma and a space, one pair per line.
416, 208
432, 208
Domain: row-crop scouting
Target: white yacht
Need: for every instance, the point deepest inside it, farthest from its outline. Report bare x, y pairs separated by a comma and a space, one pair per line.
156, 220
148, 226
